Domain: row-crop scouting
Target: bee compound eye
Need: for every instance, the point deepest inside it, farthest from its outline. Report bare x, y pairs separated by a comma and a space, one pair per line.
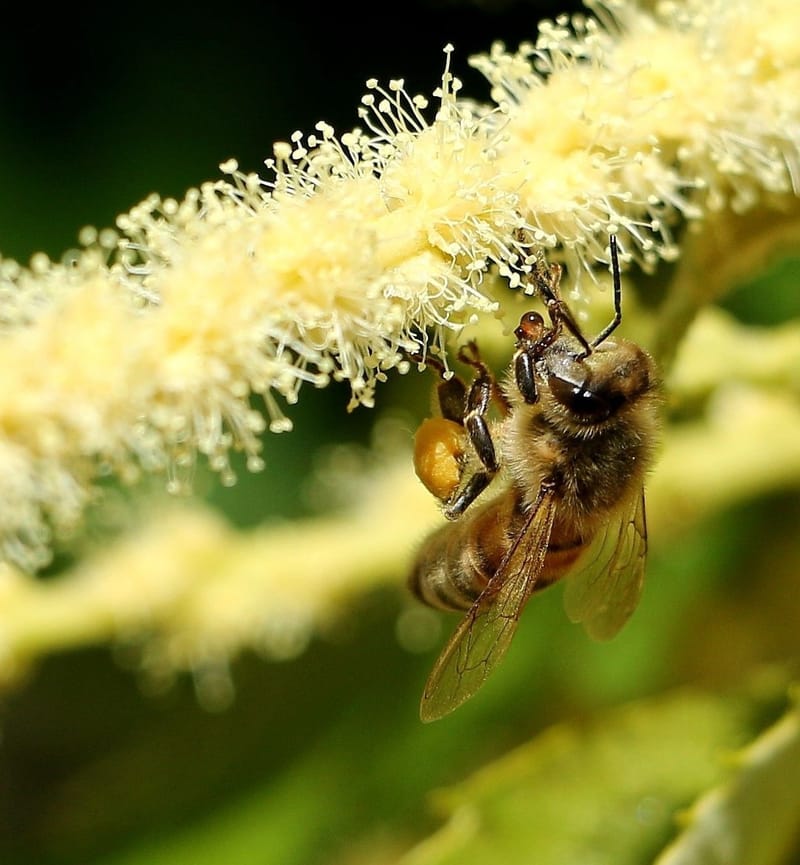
531, 327
580, 399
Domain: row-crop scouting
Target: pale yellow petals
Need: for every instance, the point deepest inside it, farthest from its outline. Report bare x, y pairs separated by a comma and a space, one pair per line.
186, 333
690, 109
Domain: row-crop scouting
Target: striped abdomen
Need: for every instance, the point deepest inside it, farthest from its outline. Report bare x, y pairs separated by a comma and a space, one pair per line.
455, 564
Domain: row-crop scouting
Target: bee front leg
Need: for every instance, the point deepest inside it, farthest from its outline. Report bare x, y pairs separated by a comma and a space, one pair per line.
548, 280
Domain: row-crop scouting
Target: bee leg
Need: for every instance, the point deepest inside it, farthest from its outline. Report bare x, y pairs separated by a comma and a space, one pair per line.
467, 495
525, 376
470, 355
452, 396
468, 408
479, 398
548, 281
451, 393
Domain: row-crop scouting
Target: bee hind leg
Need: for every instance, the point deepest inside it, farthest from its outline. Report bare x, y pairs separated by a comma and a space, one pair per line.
451, 392
467, 494
468, 408
482, 392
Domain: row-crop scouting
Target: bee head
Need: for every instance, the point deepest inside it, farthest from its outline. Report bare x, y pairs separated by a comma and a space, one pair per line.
588, 382
592, 389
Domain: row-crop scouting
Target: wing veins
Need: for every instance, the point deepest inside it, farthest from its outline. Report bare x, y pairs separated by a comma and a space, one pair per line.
604, 592
482, 638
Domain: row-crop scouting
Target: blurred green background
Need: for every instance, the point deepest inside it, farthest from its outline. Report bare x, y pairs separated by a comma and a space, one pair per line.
321, 759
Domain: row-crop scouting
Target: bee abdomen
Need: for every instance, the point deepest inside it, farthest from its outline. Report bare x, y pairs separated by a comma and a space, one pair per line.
444, 574
559, 561
455, 564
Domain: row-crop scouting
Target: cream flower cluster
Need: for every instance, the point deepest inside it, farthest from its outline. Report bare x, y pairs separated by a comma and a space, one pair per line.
184, 591
145, 348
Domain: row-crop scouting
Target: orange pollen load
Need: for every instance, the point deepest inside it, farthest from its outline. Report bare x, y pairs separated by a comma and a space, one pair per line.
439, 446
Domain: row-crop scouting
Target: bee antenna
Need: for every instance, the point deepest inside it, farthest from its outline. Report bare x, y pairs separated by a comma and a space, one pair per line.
614, 323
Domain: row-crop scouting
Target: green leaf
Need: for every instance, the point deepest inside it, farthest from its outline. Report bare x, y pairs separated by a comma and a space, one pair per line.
754, 817
606, 791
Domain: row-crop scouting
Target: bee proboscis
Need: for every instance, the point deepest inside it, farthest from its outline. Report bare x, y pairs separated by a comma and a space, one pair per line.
575, 437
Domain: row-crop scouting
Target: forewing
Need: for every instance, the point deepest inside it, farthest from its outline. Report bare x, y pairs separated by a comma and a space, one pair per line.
604, 592
484, 635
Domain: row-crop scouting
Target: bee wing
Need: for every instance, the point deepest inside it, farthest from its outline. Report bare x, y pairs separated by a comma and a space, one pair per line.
605, 591
484, 635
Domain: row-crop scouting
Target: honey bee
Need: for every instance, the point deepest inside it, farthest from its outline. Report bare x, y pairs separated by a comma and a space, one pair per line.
577, 424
